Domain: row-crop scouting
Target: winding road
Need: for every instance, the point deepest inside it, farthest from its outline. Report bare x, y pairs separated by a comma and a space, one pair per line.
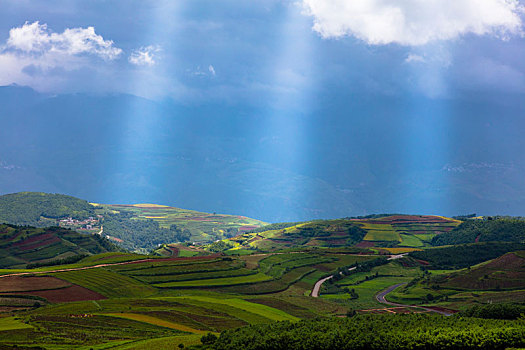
318, 284
381, 297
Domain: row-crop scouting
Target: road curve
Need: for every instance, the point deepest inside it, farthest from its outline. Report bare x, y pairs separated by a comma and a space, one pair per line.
318, 284
381, 298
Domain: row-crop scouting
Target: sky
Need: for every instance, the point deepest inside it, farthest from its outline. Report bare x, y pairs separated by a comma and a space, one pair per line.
364, 105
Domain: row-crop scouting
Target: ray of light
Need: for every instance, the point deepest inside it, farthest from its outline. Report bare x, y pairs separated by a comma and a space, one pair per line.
135, 174
283, 140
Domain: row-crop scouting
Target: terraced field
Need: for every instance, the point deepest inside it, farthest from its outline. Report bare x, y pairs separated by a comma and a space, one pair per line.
170, 300
201, 226
411, 231
20, 246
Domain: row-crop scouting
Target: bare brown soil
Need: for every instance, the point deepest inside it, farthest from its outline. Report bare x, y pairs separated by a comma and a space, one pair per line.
22, 283
365, 244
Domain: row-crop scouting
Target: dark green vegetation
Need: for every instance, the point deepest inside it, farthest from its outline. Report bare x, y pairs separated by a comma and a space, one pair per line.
486, 230
41, 209
464, 255
23, 246
505, 311
378, 332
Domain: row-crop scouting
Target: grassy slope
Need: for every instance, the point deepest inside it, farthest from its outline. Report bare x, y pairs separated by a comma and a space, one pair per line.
202, 226
409, 231
498, 280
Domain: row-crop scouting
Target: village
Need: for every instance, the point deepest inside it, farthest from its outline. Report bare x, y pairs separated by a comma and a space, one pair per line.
89, 224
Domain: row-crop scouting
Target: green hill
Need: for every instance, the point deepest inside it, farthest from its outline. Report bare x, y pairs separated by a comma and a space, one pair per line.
391, 233
41, 209
496, 230
21, 246
138, 227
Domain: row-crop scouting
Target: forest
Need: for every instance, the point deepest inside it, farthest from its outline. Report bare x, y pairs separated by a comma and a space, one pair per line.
464, 255
486, 230
381, 332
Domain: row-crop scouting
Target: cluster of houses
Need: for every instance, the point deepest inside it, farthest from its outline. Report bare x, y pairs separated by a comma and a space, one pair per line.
87, 224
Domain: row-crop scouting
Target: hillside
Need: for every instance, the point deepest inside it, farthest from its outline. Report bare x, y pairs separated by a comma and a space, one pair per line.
23, 245
140, 227
390, 233
485, 230
41, 209
505, 272
147, 226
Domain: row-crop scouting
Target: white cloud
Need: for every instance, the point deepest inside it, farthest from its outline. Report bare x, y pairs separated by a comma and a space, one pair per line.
35, 38
414, 22
35, 56
211, 69
145, 56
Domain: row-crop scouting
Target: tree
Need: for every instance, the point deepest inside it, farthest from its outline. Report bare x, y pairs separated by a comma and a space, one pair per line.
208, 339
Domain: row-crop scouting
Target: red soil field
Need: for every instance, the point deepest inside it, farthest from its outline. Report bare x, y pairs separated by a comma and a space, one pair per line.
365, 244
42, 243
174, 251
407, 219
422, 262
247, 228
190, 258
12, 238
441, 309
20, 283
62, 295
336, 241
115, 239
34, 239
322, 268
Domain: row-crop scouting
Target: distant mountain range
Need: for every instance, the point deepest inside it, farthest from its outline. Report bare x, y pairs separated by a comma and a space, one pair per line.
260, 163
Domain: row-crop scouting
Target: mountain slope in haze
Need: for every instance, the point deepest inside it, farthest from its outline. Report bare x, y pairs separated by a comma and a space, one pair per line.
327, 163
23, 245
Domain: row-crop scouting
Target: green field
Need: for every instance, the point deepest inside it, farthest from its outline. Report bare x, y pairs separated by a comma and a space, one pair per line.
164, 302
12, 323
262, 310
386, 236
216, 282
411, 241
107, 283
367, 292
